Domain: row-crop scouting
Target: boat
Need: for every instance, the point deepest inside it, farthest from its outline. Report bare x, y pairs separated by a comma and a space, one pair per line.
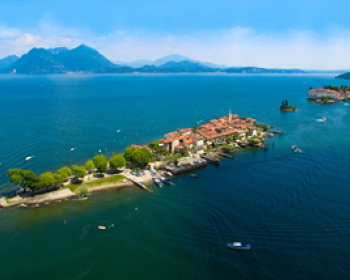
72, 149
158, 182
194, 175
99, 151
28, 158
294, 147
271, 134
168, 173
118, 130
321, 120
165, 180
24, 205
346, 104
139, 184
101, 227
238, 246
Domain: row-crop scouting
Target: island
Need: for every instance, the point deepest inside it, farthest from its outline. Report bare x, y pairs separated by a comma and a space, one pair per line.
344, 76
285, 107
177, 152
329, 94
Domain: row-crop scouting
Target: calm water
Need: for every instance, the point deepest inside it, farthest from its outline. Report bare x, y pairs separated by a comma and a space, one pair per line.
292, 207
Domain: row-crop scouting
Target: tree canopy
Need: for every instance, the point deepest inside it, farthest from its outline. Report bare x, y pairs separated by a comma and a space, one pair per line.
100, 163
78, 171
65, 172
140, 156
89, 165
47, 180
26, 178
117, 161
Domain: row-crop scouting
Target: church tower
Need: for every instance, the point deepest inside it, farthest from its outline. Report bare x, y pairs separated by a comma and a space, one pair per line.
229, 115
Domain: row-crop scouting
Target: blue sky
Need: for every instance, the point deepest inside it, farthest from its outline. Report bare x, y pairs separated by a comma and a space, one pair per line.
305, 34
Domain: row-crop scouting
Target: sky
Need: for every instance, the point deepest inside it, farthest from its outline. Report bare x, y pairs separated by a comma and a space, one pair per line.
306, 34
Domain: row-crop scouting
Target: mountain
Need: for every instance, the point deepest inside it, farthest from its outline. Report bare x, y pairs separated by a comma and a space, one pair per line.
7, 61
344, 76
173, 57
61, 60
193, 67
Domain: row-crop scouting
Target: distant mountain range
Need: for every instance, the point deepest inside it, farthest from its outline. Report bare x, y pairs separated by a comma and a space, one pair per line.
84, 59
173, 57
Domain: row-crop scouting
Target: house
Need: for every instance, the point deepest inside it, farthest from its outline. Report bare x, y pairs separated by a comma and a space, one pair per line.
319, 93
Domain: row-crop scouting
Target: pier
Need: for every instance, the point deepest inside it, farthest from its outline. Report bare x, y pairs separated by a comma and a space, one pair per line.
184, 169
280, 132
225, 155
141, 185
211, 159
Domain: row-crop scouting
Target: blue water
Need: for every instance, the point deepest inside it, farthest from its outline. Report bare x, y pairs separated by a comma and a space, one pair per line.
292, 207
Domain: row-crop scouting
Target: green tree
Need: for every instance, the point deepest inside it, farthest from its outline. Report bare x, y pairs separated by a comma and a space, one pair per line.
164, 151
65, 172
286, 103
154, 145
89, 165
78, 171
141, 156
195, 127
128, 153
16, 176
244, 118
82, 191
117, 161
47, 180
100, 163
58, 179
30, 180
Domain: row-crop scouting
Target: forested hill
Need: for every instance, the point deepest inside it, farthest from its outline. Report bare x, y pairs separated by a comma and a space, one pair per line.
345, 76
192, 67
40, 60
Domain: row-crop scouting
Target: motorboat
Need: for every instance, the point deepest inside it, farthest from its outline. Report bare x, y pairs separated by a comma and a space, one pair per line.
321, 120
168, 173
165, 180
118, 130
101, 227
194, 175
238, 246
72, 149
158, 182
294, 147
28, 158
24, 205
99, 151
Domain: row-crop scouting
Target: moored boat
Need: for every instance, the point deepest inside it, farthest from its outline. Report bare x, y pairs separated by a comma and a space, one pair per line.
238, 246
194, 175
158, 182
165, 180
101, 227
28, 158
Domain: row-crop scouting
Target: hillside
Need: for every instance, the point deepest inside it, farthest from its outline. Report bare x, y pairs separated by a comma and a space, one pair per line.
61, 60
7, 61
345, 76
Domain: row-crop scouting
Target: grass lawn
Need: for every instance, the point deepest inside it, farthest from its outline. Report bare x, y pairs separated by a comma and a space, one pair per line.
96, 183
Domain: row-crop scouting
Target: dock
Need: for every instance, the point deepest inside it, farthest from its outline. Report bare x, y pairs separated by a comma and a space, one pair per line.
280, 132
211, 159
187, 168
225, 155
142, 187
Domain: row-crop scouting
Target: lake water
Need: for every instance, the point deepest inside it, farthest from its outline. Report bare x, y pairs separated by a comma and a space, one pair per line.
292, 207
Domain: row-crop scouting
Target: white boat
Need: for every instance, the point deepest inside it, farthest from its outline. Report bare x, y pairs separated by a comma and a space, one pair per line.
101, 227
118, 130
238, 246
72, 149
158, 182
321, 120
99, 151
24, 205
28, 158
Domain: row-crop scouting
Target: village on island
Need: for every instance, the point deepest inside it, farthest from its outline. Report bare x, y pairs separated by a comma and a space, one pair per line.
178, 152
329, 94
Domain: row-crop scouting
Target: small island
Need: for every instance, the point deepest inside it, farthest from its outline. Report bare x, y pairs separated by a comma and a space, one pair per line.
285, 107
178, 152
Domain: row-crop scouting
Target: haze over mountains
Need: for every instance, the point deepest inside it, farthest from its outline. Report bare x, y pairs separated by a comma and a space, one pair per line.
84, 59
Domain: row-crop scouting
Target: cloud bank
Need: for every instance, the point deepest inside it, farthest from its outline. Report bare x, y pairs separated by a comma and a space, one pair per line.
237, 46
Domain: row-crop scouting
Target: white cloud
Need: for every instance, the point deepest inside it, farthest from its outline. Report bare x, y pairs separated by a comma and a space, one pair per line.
9, 32
28, 39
